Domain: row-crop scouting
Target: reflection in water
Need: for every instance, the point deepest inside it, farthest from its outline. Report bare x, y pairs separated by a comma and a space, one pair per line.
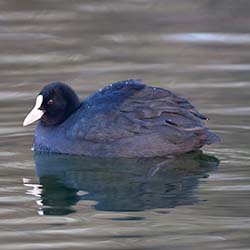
119, 184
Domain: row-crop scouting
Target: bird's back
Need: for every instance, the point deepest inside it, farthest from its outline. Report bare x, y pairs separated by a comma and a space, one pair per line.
131, 119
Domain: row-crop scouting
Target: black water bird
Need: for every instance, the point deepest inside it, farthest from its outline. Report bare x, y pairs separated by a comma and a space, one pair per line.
124, 119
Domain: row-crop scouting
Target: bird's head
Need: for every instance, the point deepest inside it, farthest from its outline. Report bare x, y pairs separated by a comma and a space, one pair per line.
54, 104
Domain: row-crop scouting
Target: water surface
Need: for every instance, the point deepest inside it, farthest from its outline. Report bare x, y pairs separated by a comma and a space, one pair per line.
198, 49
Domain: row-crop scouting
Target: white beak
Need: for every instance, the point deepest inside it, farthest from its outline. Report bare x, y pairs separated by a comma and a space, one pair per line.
35, 114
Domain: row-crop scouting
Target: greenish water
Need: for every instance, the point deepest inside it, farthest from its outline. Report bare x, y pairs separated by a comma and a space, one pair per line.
198, 49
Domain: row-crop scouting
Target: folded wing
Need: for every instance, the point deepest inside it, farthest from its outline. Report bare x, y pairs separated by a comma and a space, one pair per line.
130, 109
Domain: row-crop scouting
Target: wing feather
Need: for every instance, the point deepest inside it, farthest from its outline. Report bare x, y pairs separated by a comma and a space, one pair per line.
130, 108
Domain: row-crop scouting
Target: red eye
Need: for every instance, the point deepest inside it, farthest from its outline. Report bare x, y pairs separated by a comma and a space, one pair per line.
50, 101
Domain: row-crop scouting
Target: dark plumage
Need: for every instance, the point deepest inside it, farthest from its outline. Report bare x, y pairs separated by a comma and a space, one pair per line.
124, 119
65, 102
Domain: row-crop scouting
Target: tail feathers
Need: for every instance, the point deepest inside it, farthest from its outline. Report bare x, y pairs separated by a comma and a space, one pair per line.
211, 138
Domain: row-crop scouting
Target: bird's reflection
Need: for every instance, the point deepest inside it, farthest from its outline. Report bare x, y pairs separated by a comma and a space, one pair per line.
119, 184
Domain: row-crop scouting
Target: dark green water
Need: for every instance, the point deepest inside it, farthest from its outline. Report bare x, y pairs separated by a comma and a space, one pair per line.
199, 49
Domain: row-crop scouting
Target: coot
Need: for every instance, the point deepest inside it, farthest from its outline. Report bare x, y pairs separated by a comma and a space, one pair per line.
124, 119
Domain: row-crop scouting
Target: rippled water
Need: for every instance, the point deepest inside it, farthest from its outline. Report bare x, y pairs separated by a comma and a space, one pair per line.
199, 49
